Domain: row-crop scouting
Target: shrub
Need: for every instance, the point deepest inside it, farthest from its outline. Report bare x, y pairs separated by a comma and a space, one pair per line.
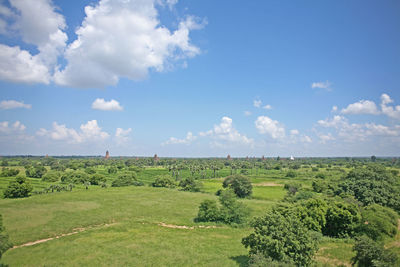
241, 185
320, 175
75, 177
372, 254
51, 176
231, 211
291, 174
164, 181
281, 238
292, 188
112, 170
125, 179
190, 184
379, 222
35, 172
21, 187
6, 172
342, 219
90, 170
97, 179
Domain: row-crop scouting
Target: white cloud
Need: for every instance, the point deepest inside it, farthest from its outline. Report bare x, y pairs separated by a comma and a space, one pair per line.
361, 107
89, 132
306, 139
257, 103
266, 125
335, 122
322, 85
11, 104
186, 141
294, 132
247, 113
226, 132
101, 104
391, 111
124, 38
7, 129
267, 107
38, 24
325, 137
122, 136
334, 109
12, 135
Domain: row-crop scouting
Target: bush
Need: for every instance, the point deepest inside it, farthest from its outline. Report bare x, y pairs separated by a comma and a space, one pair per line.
6, 172
5, 244
75, 177
35, 172
97, 179
372, 254
125, 179
241, 185
21, 187
291, 174
51, 176
281, 238
190, 184
230, 212
164, 181
259, 260
379, 222
90, 170
319, 186
342, 219
112, 170
292, 188
320, 175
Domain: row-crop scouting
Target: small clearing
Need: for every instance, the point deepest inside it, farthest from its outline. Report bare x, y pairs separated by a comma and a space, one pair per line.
75, 231
268, 184
185, 227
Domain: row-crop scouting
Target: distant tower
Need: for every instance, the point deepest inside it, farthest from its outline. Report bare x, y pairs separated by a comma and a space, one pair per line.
263, 158
228, 157
156, 158
291, 158
107, 154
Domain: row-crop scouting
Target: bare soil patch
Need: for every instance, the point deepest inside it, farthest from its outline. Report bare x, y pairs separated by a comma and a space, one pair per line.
268, 184
186, 227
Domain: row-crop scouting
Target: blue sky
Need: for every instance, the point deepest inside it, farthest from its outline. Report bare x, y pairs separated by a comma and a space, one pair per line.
200, 78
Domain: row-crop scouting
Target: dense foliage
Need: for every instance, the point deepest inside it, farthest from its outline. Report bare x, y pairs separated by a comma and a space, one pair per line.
5, 244
164, 181
18, 188
190, 184
373, 254
7, 172
241, 185
126, 179
282, 238
379, 222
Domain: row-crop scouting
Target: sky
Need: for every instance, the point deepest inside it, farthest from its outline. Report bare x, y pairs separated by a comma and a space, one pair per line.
184, 78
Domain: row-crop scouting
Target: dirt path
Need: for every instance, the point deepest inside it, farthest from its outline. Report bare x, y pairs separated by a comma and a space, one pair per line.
75, 231
185, 227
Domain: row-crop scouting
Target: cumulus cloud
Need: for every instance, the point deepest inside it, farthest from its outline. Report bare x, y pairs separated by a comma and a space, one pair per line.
390, 111
294, 132
322, 85
226, 132
247, 113
273, 128
89, 132
267, 107
11, 104
186, 141
17, 126
122, 136
38, 24
13, 133
361, 107
334, 109
124, 38
101, 104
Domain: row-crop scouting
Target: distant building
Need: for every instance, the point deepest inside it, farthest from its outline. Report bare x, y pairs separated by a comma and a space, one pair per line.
291, 158
263, 158
156, 158
228, 157
107, 154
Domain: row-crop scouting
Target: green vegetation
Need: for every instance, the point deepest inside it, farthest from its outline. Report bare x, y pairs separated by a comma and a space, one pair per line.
306, 212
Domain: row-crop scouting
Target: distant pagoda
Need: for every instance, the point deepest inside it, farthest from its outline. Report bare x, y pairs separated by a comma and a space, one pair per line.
156, 158
107, 155
228, 157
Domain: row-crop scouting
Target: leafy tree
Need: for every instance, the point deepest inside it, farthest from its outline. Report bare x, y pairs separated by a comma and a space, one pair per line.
190, 184
292, 188
241, 185
21, 187
90, 170
312, 213
379, 222
208, 211
97, 179
342, 219
291, 174
164, 181
51, 176
6, 172
281, 238
5, 244
373, 254
126, 179
35, 172
112, 170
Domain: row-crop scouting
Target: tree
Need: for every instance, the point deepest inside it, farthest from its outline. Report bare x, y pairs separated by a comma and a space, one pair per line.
372, 254
76, 177
379, 222
126, 179
373, 158
241, 185
342, 219
19, 188
51, 176
6, 172
5, 244
190, 184
164, 181
35, 172
281, 238
97, 179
